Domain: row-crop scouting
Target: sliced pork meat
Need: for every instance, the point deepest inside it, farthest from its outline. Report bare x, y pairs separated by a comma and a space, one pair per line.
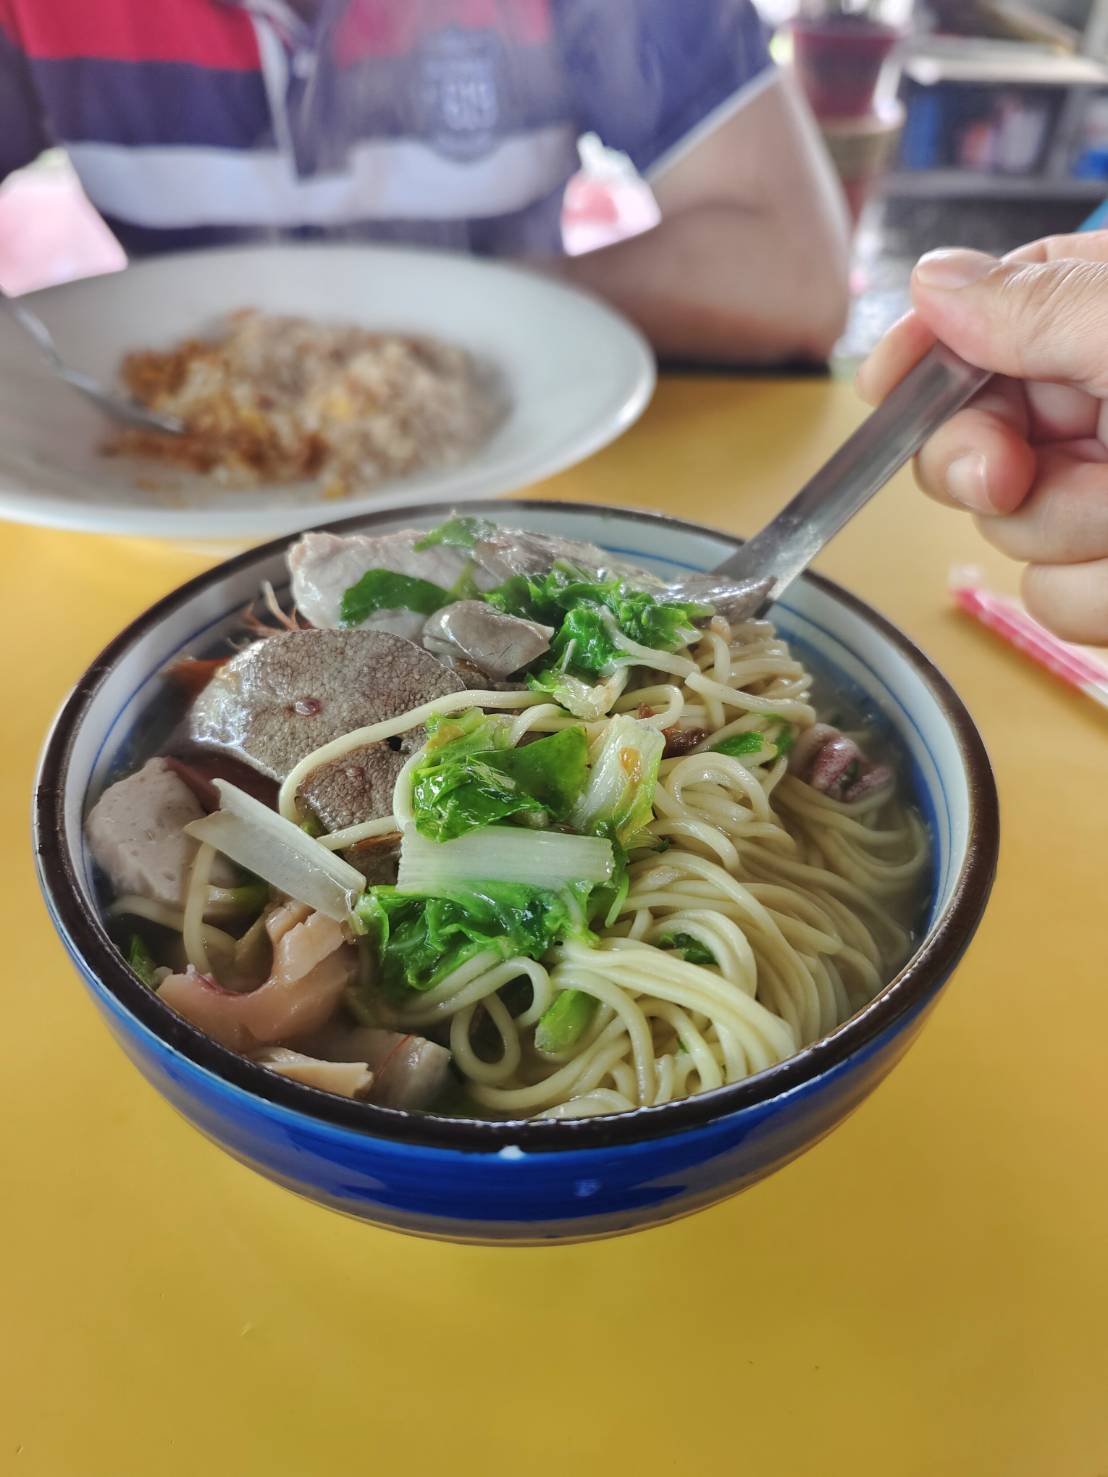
312, 966
282, 698
345, 1079
408, 1071
136, 834
495, 643
830, 762
507, 551
325, 565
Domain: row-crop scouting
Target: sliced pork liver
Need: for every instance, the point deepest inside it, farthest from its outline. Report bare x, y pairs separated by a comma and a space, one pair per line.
323, 567
285, 696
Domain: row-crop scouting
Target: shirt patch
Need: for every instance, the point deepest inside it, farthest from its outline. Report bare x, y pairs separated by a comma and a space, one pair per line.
458, 93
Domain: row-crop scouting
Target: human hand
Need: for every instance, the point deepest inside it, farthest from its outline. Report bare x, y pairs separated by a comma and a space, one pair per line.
1029, 455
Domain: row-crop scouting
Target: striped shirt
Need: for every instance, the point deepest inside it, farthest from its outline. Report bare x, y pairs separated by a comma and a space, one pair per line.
443, 122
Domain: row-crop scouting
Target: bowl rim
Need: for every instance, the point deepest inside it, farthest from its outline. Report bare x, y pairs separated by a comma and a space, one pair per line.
911, 987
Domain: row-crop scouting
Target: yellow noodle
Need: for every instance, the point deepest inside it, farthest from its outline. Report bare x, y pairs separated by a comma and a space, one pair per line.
132, 906
787, 889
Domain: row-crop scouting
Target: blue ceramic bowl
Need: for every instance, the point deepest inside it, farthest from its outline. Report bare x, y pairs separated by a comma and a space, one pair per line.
550, 1180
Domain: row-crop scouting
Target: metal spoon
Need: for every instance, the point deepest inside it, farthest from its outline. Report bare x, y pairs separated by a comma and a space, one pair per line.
119, 407
756, 575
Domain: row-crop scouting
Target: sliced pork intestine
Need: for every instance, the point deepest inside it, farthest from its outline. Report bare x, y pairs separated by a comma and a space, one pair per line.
312, 965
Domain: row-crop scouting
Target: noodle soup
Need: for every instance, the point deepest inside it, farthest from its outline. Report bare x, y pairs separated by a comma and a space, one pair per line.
487, 824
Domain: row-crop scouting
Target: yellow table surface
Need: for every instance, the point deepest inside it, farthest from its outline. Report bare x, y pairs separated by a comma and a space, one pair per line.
924, 1293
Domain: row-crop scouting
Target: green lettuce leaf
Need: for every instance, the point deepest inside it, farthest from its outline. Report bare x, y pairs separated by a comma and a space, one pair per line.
590, 615
384, 589
419, 939
587, 641
739, 745
471, 776
554, 769
589, 701
661, 624
692, 949
459, 532
530, 598
565, 1021
141, 960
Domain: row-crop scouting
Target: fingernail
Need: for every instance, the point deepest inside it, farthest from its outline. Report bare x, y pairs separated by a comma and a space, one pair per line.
947, 269
967, 480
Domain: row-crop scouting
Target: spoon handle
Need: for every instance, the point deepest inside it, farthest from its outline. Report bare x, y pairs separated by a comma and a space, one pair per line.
929, 394
33, 326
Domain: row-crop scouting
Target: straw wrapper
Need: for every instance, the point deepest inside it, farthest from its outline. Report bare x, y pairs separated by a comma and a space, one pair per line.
1074, 665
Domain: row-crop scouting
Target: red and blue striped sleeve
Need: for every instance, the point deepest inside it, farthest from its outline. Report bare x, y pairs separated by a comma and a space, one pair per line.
23, 128
645, 74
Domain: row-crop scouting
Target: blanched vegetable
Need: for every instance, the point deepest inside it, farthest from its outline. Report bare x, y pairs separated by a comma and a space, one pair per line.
141, 960
244, 901
549, 859
459, 532
275, 849
594, 620
589, 702
692, 949
618, 800
785, 739
564, 1023
588, 641
420, 938
471, 776
591, 615
384, 589
739, 745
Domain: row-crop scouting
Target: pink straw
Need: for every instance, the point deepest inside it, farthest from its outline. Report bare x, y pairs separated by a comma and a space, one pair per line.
1007, 617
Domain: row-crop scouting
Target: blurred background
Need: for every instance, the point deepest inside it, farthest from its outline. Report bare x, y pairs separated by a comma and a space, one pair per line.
977, 123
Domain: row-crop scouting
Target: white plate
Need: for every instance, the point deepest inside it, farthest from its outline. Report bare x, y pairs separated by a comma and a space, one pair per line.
577, 375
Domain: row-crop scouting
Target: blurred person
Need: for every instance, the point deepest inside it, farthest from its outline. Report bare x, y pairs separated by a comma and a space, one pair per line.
450, 123
1029, 455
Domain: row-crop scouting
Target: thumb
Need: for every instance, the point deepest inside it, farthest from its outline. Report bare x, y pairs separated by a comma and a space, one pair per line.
1030, 320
